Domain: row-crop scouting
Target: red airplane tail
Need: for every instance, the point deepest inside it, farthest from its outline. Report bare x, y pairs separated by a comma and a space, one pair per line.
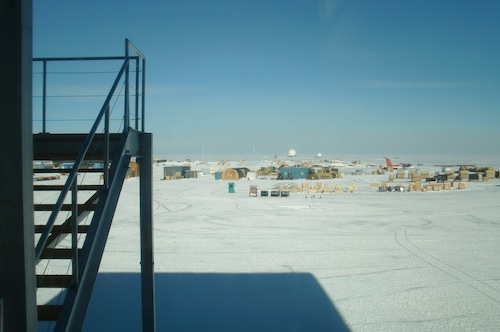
388, 162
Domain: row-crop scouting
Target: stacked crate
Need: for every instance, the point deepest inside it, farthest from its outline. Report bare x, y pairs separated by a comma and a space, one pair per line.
415, 176
489, 172
415, 186
418, 186
411, 174
436, 186
464, 174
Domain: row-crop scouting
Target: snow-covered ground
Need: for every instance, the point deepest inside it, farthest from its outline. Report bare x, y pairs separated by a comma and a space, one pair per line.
416, 261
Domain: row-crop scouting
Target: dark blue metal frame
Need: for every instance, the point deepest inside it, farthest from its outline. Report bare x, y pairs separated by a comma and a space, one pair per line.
134, 142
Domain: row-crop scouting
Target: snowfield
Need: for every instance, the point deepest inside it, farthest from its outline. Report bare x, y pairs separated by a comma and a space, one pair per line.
362, 260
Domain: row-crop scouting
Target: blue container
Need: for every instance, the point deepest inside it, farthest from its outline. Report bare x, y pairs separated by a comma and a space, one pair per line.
291, 173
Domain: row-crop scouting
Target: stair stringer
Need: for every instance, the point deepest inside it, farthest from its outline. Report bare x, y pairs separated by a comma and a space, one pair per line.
78, 296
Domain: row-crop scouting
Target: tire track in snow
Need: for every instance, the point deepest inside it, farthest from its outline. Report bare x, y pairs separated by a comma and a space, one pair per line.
166, 208
401, 237
483, 221
161, 205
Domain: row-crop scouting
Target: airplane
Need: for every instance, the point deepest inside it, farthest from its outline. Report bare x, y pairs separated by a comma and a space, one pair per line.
396, 166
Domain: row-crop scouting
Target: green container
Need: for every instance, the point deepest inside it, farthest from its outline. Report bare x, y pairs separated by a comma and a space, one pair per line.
230, 187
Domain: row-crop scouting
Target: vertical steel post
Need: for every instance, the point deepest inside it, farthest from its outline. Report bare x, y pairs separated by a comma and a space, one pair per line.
143, 92
44, 98
106, 149
146, 225
137, 94
17, 255
74, 231
127, 74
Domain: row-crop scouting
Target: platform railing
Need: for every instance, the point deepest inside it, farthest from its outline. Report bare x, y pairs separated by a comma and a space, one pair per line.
140, 83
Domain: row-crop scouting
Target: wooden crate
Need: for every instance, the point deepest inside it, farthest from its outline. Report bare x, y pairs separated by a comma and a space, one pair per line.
436, 186
464, 175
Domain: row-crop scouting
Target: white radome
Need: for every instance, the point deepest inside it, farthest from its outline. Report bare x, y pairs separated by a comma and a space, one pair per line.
319, 155
292, 153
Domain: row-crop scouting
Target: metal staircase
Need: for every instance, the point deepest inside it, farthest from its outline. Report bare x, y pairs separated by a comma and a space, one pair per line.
74, 210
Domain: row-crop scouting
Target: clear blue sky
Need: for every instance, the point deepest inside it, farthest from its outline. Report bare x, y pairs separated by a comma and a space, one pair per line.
336, 77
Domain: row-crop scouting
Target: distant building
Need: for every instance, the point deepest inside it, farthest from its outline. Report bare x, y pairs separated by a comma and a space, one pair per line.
235, 173
175, 172
191, 174
293, 173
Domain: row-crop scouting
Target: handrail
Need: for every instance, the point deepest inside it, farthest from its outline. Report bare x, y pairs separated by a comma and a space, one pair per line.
88, 58
74, 171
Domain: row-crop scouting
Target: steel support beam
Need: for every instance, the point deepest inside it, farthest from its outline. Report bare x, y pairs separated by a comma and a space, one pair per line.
17, 255
146, 225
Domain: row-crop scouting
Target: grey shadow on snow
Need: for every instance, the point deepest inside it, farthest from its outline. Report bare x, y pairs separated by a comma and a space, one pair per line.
215, 302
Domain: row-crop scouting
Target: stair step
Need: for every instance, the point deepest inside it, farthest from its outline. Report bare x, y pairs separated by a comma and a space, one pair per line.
48, 312
65, 147
65, 229
51, 253
65, 207
55, 187
54, 281
67, 170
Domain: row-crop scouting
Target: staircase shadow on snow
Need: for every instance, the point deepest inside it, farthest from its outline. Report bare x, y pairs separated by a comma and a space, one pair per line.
215, 302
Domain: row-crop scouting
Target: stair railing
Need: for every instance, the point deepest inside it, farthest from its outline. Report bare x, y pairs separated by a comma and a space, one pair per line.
103, 114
